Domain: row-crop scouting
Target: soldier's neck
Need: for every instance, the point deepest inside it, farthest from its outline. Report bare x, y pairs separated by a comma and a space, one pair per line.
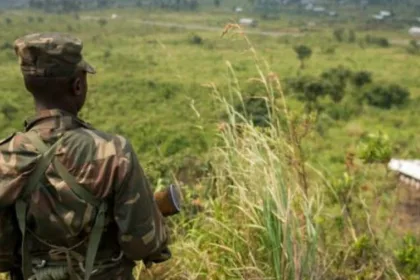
42, 106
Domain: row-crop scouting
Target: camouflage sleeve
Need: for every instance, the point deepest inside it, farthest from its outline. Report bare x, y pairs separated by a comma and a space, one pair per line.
8, 239
142, 229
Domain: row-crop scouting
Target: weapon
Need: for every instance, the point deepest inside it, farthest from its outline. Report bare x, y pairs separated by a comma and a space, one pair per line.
169, 200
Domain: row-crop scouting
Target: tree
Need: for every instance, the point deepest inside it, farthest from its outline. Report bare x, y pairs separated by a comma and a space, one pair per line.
71, 5
104, 3
303, 53
66, 6
217, 3
36, 4
266, 7
362, 78
309, 90
386, 96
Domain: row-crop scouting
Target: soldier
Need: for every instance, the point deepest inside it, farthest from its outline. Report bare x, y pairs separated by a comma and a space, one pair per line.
74, 201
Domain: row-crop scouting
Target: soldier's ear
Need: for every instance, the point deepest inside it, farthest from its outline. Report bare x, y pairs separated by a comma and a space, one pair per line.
77, 86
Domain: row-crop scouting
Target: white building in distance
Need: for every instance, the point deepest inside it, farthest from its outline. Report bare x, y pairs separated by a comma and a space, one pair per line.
414, 31
248, 22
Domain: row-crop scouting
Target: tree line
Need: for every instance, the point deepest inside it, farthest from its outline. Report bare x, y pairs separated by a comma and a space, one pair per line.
68, 5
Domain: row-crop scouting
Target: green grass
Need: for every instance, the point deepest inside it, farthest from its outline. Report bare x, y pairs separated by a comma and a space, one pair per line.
170, 97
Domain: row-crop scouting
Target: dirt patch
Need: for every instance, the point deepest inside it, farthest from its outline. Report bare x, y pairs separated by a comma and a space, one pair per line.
408, 209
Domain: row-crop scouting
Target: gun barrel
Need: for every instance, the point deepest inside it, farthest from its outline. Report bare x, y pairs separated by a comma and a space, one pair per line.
169, 201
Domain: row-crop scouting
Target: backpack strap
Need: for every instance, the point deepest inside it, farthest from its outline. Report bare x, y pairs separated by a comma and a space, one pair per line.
21, 207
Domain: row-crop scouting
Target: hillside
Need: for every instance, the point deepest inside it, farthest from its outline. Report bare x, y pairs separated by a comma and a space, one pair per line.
282, 161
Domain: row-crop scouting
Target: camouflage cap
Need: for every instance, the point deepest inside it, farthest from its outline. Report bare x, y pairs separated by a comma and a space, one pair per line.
51, 55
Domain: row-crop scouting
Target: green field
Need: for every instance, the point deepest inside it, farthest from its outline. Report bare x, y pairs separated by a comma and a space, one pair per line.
170, 90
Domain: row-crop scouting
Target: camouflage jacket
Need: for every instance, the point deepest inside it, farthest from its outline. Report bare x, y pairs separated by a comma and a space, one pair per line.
104, 164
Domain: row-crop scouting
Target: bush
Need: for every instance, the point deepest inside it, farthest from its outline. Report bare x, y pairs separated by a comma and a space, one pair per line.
195, 39
375, 148
361, 78
309, 89
335, 90
107, 54
337, 79
102, 22
328, 50
338, 74
378, 41
386, 96
312, 91
342, 111
256, 109
408, 257
339, 34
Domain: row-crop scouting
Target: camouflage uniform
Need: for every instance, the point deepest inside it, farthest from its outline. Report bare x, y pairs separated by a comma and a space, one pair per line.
103, 164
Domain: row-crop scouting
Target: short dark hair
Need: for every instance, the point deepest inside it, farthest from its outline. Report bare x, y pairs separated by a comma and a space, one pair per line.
48, 88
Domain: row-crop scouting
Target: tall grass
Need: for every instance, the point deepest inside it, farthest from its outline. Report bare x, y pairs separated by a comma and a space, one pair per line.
265, 214
260, 209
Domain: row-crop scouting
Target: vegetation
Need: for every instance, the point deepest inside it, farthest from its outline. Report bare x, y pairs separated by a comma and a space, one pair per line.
283, 167
303, 53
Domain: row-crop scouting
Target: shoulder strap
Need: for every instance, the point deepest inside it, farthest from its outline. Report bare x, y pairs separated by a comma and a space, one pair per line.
21, 207
81, 192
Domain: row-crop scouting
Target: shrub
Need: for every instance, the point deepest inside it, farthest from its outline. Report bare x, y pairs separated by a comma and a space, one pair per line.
335, 90
342, 111
256, 109
329, 50
195, 39
338, 34
102, 22
386, 96
338, 74
408, 256
107, 54
8, 21
361, 78
378, 41
336, 78
375, 148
